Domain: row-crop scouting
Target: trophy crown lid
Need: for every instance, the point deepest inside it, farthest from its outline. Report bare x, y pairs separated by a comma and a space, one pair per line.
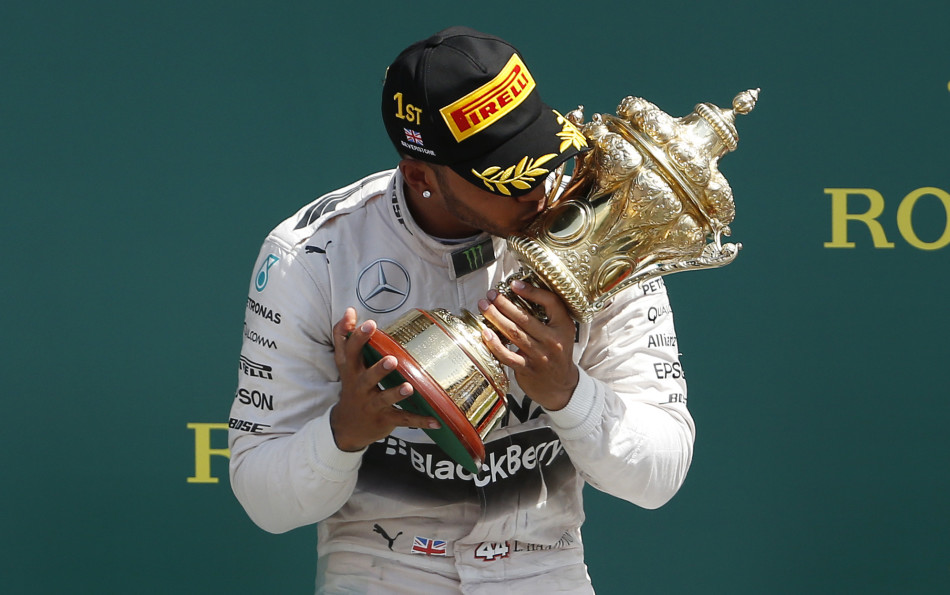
744, 102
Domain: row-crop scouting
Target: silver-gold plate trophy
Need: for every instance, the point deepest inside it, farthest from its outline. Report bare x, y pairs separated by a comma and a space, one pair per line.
647, 200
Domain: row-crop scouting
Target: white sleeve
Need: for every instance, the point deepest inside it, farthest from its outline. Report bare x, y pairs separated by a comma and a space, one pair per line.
285, 468
626, 427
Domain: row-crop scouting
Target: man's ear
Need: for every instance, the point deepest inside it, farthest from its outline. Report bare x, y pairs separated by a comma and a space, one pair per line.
418, 175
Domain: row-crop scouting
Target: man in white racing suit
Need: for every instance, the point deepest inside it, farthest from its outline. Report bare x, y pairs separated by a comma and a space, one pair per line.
313, 437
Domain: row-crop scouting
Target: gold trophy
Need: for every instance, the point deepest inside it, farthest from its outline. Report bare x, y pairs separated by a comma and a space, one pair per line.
647, 200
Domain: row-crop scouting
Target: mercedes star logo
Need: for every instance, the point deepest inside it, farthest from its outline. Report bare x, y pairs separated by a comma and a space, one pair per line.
383, 286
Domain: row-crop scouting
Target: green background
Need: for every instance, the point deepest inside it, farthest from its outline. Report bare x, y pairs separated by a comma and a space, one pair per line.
147, 147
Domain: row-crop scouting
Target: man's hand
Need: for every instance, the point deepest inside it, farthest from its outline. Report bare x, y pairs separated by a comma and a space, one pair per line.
366, 413
541, 354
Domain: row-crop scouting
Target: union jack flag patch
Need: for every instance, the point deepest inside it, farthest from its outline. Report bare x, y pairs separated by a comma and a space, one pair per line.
428, 547
413, 136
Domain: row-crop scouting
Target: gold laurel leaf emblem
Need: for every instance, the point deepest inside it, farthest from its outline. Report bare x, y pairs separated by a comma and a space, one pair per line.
569, 134
518, 175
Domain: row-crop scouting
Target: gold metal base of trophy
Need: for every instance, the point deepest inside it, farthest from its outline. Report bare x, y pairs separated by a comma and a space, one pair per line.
456, 379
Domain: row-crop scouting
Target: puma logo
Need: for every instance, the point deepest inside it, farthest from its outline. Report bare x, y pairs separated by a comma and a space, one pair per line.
317, 250
381, 531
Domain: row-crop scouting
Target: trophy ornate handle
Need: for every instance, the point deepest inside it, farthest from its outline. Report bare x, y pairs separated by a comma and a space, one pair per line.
504, 288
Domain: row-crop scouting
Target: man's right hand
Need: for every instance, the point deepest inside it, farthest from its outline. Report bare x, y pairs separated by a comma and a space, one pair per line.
365, 412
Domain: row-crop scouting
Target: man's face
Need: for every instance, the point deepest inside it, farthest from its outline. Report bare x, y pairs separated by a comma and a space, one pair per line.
482, 210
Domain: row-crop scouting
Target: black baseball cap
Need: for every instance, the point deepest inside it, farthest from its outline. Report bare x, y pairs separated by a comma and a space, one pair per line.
465, 99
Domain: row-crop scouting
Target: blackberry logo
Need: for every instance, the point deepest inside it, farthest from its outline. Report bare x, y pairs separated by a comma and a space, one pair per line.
394, 446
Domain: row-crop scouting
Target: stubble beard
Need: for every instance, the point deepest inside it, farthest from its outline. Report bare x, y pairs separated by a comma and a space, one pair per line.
463, 213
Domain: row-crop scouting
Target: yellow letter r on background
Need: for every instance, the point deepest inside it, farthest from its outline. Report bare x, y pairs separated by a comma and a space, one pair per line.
204, 452
840, 217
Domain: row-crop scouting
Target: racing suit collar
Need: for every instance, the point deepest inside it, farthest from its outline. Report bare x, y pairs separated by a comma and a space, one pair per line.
429, 247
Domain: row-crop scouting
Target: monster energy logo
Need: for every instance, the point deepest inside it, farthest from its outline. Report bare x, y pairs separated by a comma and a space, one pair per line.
472, 258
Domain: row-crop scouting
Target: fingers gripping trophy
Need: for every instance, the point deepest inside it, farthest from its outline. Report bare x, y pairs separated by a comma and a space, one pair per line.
646, 200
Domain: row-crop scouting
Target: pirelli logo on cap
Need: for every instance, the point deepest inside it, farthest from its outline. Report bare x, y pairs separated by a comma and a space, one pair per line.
489, 103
